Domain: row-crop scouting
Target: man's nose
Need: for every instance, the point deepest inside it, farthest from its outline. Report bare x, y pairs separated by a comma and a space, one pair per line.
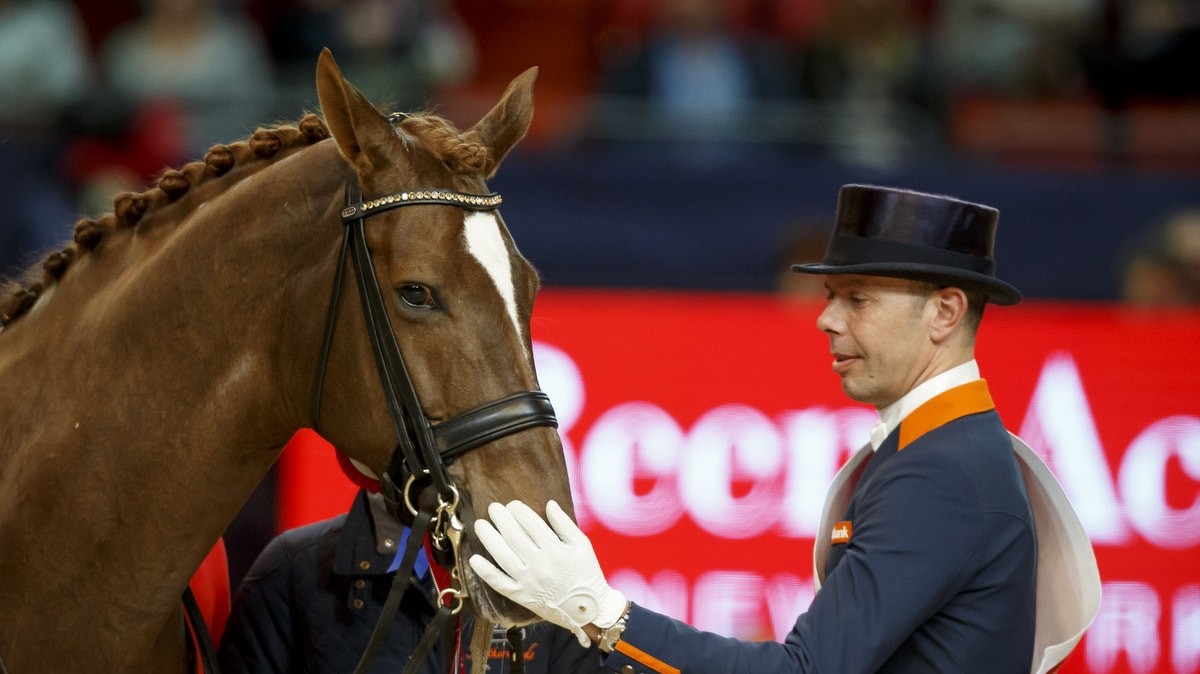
827, 321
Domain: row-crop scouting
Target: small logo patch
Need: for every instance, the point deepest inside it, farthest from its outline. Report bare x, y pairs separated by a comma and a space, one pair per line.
842, 532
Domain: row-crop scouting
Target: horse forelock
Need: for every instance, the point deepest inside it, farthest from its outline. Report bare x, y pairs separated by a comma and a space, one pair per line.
439, 136
218, 171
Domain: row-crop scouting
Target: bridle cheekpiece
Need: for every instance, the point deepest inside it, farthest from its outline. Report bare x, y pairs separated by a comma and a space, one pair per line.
416, 485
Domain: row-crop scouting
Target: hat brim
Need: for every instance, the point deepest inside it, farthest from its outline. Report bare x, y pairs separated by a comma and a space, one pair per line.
997, 291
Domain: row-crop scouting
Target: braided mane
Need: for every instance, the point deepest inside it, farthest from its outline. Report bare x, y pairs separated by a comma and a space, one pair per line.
436, 134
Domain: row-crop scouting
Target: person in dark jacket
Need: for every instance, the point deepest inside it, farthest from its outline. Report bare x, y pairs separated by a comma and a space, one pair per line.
313, 596
927, 558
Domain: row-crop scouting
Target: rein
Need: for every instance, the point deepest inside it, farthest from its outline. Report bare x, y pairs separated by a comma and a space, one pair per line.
423, 450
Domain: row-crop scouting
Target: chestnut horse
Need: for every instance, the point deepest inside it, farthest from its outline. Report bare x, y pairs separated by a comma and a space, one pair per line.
153, 373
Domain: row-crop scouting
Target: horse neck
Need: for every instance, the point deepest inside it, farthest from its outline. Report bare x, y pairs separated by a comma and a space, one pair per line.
151, 390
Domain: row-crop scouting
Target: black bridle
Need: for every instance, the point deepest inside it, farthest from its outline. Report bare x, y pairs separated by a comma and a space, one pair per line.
423, 449
416, 484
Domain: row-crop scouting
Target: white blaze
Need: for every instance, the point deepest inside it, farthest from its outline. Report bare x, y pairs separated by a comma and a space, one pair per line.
485, 242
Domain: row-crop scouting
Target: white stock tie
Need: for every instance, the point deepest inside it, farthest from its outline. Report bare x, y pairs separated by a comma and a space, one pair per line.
879, 433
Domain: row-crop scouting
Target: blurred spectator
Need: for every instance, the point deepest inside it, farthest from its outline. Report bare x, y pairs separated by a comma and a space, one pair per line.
1163, 268
693, 77
871, 60
210, 60
119, 146
1144, 49
804, 241
1164, 45
1026, 48
398, 52
44, 69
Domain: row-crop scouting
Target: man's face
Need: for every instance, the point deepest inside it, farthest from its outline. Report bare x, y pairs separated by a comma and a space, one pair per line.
879, 335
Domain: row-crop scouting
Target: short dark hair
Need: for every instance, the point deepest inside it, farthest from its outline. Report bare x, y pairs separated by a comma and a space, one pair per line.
976, 301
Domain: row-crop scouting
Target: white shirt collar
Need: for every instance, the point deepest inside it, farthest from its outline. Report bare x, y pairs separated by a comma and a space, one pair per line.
891, 415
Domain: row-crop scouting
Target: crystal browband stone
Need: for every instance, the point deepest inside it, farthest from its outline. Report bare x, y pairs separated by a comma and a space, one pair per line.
472, 201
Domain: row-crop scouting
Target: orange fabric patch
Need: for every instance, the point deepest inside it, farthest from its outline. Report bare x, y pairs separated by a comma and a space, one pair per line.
842, 532
645, 658
958, 402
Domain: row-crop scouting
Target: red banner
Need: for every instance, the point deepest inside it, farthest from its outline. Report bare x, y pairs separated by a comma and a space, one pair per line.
702, 431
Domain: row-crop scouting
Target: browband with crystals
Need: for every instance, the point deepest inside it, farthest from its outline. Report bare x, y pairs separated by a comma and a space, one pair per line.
473, 202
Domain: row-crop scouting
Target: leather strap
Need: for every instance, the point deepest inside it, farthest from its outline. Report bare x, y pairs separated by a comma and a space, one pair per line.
432, 634
516, 643
200, 639
413, 429
327, 339
400, 583
491, 421
422, 450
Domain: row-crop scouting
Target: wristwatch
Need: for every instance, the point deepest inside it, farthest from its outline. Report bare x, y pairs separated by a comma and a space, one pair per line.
606, 638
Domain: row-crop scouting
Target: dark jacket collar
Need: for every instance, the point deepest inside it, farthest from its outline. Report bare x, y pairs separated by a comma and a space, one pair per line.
369, 540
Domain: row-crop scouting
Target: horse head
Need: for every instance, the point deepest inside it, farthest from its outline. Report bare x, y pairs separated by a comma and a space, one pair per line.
152, 370
457, 296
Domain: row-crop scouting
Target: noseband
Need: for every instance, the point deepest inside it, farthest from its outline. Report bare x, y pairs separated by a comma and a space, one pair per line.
417, 466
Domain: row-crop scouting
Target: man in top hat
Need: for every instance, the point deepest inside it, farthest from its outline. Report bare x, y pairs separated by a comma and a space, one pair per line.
928, 558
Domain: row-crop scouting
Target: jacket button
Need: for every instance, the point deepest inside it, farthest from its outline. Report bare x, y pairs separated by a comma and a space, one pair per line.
360, 584
358, 603
627, 669
364, 565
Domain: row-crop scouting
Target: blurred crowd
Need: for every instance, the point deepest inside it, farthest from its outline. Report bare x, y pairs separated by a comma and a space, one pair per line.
100, 96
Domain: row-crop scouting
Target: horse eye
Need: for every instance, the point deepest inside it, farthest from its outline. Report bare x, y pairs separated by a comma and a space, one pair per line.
416, 295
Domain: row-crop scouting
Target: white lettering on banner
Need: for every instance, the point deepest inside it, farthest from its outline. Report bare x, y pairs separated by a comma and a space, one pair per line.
639, 440
818, 442
1127, 623
745, 605
632, 441
639, 471
666, 593
787, 596
730, 602
731, 443
808, 472
1145, 464
1185, 630
696, 471
1060, 428
559, 377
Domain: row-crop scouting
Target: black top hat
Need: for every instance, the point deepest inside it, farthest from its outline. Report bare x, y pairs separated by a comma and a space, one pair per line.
884, 231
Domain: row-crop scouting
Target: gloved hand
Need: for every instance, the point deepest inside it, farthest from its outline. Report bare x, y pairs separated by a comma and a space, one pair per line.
552, 572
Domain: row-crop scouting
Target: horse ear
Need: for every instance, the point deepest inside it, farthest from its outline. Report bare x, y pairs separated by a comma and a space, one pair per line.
507, 122
359, 129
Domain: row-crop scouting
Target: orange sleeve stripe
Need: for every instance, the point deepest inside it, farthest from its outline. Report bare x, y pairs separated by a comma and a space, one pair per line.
627, 649
940, 410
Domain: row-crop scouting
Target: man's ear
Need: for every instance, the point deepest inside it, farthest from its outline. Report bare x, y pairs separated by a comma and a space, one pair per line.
950, 305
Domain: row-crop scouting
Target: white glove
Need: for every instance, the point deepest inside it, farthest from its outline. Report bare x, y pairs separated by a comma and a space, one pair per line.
552, 572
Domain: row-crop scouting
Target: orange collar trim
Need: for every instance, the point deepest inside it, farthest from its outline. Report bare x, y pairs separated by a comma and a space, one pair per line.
956, 403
